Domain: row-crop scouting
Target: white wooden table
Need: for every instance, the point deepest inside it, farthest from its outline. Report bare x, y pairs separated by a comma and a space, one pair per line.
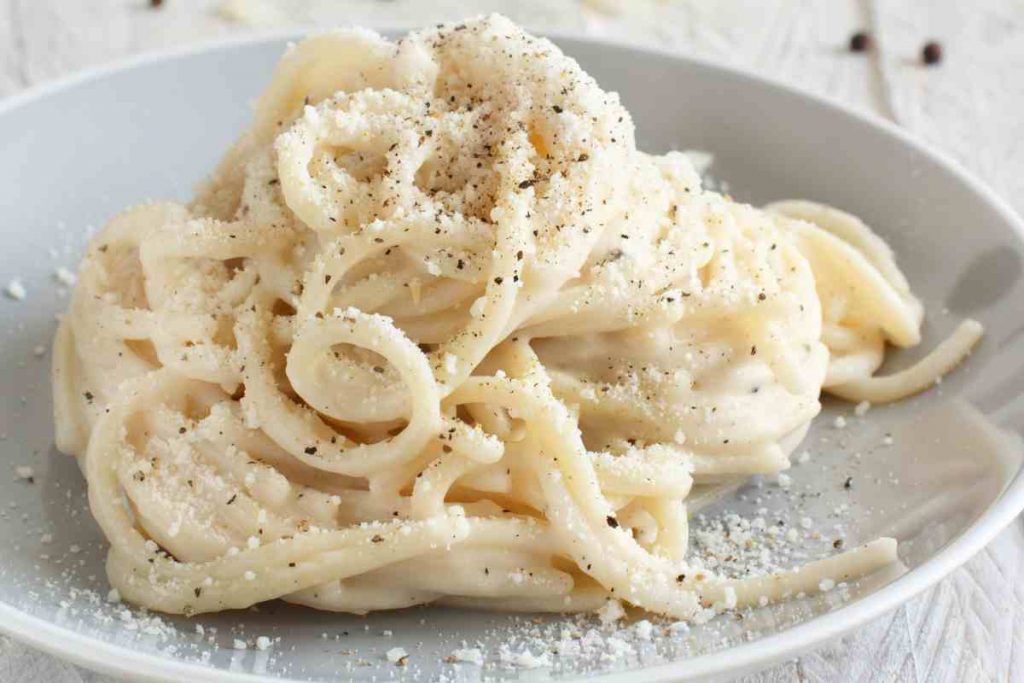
971, 626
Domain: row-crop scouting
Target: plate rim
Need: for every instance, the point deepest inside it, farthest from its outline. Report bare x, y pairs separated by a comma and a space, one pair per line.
108, 658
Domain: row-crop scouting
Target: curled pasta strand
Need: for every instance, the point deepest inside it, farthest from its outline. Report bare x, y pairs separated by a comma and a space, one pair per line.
305, 435
918, 377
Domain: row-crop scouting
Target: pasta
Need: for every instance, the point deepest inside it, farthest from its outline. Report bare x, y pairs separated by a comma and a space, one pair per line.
435, 331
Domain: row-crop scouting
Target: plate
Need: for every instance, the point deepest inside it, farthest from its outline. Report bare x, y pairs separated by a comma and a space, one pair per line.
941, 472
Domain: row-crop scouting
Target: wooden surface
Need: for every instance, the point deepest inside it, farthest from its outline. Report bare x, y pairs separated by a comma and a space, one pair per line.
969, 627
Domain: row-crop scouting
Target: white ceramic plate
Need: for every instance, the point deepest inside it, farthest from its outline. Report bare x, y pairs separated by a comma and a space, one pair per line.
74, 153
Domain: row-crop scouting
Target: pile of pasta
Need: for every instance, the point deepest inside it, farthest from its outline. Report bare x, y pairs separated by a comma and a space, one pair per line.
435, 331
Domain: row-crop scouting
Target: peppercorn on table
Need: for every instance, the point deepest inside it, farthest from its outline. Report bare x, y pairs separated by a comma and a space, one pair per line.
947, 72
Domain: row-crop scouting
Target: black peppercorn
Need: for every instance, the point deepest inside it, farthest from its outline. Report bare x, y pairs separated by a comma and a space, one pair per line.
931, 53
860, 42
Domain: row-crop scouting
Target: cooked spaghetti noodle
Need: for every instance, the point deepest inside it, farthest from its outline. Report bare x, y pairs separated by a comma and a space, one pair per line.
436, 332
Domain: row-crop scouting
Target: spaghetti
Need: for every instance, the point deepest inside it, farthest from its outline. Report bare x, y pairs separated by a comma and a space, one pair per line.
436, 332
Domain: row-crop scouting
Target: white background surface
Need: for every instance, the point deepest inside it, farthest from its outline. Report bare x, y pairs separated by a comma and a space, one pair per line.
969, 627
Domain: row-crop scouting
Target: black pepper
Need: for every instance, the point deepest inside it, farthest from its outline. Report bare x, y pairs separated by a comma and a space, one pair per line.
860, 42
931, 53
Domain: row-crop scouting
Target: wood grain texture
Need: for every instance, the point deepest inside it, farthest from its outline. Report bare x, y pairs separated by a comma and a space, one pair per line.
970, 627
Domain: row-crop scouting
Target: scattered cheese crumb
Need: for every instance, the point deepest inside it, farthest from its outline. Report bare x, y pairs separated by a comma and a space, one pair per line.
239, 644
64, 276
15, 290
645, 629
397, 655
826, 585
114, 596
472, 655
862, 408
678, 627
262, 642
526, 659
24, 472
839, 422
610, 612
